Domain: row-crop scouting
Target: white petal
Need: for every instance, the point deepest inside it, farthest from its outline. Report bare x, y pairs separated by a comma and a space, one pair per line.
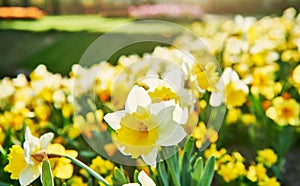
150, 159
122, 150
145, 179
137, 97
114, 119
174, 78
164, 117
30, 145
180, 115
229, 75
29, 174
29, 136
46, 139
158, 107
131, 184
173, 136
216, 99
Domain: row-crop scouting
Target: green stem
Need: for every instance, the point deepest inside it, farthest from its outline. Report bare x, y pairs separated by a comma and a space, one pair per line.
88, 169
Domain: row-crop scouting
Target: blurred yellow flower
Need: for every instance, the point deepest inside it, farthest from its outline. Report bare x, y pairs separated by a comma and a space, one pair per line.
231, 170
284, 111
256, 172
233, 115
61, 167
102, 166
269, 182
263, 81
77, 181
266, 157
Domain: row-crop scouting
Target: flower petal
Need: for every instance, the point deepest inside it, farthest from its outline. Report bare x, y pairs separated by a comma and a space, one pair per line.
114, 119
171, 135
174, 78
29, 174
150, 159
229, 75
46, 139
180, 115
216, 99
145, 180
137, 97
158, 107
131, 184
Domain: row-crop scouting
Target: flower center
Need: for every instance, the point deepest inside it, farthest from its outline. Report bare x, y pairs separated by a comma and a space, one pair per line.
286, 112
137, 132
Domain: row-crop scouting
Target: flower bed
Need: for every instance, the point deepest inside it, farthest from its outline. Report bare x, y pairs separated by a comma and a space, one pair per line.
21, 13
46, 119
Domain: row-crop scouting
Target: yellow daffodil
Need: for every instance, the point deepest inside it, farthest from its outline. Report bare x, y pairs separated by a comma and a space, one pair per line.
144, 179
284, 111
142, 127
26, 165
230, 90
266, 157
61, 167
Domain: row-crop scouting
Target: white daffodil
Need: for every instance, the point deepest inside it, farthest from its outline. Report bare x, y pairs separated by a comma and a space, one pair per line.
32, 146
171, 86
145, 126
230, 90
144, 179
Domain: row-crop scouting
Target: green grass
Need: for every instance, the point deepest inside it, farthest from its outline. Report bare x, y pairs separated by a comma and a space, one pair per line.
60, 41
69, 23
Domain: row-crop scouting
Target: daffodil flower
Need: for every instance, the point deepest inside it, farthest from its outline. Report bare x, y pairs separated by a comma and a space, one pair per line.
230, 90
27, 165
144, 126
144, 179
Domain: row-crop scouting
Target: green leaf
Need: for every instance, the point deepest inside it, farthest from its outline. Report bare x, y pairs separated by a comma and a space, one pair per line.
89, 170
173, 164
47, 178
135, 176
185, 162
208, 172
119, 178
196, 175
162, 173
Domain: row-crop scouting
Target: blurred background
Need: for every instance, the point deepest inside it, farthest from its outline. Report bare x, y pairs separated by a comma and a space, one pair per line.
57, 32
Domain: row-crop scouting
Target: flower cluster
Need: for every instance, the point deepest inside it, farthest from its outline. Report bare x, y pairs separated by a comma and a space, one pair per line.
232, 167
146, 104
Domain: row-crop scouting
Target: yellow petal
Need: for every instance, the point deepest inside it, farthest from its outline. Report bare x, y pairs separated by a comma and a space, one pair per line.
16, 161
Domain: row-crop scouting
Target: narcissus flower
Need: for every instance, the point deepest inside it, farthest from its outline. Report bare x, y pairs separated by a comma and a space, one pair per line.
284, 111
142, 127
27, 165
62, 167
230, 90
144, 179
